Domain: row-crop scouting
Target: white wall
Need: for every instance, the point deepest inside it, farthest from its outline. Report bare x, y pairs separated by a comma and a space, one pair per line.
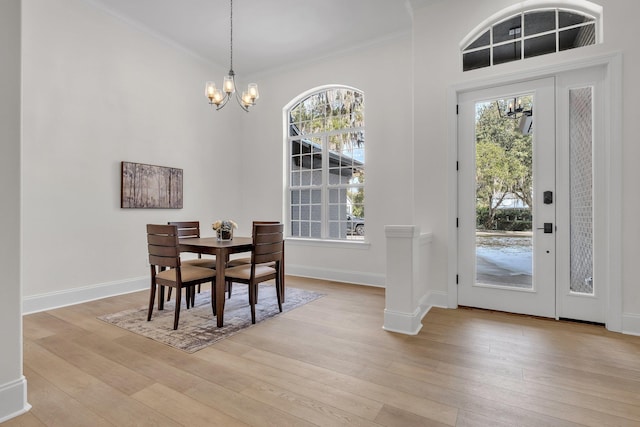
13, 391
98, 91
438, 69
383, 72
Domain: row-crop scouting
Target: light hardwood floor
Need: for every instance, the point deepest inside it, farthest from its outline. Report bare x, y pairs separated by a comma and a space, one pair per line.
329, 363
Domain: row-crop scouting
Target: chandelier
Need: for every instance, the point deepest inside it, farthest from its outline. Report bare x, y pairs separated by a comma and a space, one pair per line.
218, 97
515, 109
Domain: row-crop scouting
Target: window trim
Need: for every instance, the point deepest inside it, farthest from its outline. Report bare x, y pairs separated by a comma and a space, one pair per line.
326, 186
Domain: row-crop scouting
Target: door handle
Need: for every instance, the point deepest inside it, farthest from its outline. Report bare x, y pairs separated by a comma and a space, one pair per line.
548, 227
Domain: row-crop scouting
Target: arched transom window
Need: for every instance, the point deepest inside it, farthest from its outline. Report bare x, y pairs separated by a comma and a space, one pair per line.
527, 34
325, 138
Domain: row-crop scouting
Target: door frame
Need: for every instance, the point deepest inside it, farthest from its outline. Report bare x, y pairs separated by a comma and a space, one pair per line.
610, 218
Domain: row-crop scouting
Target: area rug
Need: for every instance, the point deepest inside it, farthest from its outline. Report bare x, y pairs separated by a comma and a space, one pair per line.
197, 328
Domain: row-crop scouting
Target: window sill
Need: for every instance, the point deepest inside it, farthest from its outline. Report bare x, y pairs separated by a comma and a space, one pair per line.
327, 243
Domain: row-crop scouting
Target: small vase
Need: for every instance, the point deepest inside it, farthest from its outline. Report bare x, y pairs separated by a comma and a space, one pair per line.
224, 234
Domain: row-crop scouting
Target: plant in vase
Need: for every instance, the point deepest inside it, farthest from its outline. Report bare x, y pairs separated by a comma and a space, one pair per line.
224, 229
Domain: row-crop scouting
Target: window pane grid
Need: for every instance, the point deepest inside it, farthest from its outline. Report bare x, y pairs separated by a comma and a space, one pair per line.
326, 165
527, 34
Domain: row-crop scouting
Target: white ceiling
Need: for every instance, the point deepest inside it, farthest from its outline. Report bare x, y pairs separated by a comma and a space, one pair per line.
267, 34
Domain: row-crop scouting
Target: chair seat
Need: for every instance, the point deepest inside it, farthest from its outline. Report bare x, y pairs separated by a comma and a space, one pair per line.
189, 274
238, 261
243, 272
200, 262
243, 261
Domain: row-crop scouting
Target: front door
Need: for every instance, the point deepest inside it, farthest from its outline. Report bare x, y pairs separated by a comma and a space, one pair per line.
507, 198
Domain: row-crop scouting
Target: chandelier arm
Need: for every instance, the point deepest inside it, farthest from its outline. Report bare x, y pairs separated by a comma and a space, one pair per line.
224, 102
241, 104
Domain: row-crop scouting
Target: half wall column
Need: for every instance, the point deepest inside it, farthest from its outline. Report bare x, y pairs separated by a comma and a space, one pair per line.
406, 285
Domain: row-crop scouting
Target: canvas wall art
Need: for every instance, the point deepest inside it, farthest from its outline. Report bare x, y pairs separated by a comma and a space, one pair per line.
150, 187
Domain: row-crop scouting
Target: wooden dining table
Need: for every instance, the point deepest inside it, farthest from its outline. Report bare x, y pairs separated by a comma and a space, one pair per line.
221, 249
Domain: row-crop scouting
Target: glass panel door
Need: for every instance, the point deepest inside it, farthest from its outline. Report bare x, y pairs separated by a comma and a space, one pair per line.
506, 185
504, 189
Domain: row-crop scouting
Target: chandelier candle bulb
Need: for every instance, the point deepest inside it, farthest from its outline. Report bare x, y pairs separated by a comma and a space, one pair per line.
229, 86
246, 99
253, 91
210, 90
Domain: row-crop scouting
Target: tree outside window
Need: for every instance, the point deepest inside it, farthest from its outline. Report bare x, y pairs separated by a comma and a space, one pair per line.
326, 168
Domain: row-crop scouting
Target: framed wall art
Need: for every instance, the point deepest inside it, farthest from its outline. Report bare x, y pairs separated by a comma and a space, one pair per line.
150, 187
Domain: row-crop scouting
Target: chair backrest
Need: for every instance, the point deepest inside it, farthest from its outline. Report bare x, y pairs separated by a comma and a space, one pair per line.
268, 242
187, 229
162, 241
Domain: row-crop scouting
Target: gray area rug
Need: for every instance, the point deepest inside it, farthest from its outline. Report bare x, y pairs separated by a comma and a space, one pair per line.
197, 328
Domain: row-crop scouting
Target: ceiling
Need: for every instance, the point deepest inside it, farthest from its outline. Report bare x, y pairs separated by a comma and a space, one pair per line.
267, 34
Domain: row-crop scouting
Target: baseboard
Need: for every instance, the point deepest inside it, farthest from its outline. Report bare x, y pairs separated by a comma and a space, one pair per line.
404, 323
346, 276
434, 299
13, 399
631, 324
49, 301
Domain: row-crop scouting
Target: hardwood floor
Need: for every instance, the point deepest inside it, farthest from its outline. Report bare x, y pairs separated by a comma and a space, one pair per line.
330, 363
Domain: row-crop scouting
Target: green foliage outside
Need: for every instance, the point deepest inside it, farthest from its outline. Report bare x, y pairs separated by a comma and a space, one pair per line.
331, 110
503, 163
357, 202
517, 219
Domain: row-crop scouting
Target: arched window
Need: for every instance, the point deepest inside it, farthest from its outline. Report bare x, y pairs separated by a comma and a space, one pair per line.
326, 164
510, 36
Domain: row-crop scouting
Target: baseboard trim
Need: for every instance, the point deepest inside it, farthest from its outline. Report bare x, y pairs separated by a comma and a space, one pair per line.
49, 301
631, 324
411, 323
434, 299
404, 323
346, 276
13, 399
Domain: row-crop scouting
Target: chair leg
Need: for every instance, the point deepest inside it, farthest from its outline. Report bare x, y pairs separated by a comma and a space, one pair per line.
169, 294
177, 315
151, 299
229, 286
279, 292
213, 298
252, 301
192, 295
161, 297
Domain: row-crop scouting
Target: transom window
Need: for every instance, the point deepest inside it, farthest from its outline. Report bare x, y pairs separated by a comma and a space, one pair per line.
528, 34
326, 165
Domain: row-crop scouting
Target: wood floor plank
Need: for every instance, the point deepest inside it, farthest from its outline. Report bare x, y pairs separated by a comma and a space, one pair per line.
96, 396
183, 409
330, 363
116, 375
243, 408
56, 407
281, 377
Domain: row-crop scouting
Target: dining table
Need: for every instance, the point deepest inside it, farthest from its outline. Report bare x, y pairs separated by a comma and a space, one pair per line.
221, 249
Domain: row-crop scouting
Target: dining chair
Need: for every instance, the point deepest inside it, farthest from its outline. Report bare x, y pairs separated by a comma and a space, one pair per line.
247, 260
190, 230
167, 270
266, 262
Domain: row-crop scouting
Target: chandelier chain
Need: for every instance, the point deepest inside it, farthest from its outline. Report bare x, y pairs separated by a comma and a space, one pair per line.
231, 37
